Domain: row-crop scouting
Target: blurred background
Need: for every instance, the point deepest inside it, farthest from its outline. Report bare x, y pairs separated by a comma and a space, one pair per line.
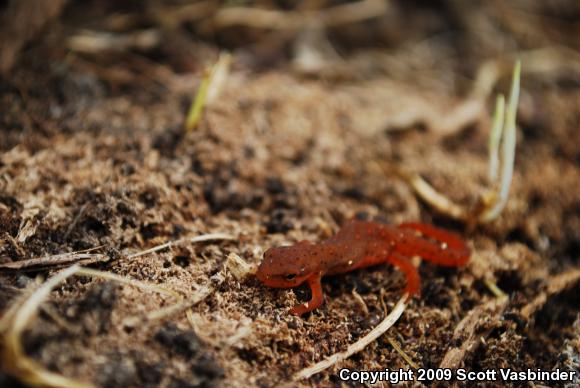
183, 35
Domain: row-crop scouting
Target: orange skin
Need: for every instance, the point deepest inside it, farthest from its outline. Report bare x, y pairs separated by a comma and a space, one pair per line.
360, 244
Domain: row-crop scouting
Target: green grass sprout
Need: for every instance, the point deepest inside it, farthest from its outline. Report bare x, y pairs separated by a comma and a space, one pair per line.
196, 109
495, 138
508, 148
208, 91
500, 169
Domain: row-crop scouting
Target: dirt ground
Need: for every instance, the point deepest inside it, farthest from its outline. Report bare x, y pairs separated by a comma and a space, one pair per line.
302, 137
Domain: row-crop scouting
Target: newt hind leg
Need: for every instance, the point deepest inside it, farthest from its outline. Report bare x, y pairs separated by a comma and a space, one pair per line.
448, 250
316, 299
413, 281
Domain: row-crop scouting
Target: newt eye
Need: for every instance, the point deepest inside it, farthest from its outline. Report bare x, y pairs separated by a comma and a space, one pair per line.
290, 276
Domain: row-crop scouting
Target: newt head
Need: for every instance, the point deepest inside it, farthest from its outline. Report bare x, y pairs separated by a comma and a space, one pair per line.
290, 266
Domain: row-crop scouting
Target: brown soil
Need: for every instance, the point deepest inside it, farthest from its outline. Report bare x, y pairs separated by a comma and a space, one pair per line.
93, 154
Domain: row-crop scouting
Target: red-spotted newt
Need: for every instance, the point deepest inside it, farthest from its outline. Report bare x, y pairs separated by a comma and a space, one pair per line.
360, 244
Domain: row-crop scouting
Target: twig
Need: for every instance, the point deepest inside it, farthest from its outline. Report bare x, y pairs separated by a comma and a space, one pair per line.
359, 345
257, 18
353, 12
491, 312
95, 42
295, 20
27, 229
75, 221
466, 331
555, 285
361, 301
21, 21
59, 260
238, 267
168, 17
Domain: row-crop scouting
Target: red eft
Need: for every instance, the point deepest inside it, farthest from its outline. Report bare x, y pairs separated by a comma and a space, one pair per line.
360, 244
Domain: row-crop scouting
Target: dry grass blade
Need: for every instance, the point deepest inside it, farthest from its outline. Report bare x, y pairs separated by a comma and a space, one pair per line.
400, 350
219, 76
15, 361
434, 198
182, 305
8, 314
359, 345
190, 240
197, 297
360, 301
495, 290
20, 314
487, 76
124, 280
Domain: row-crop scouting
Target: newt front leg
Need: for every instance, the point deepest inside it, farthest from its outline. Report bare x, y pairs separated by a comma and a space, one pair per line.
316, 299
